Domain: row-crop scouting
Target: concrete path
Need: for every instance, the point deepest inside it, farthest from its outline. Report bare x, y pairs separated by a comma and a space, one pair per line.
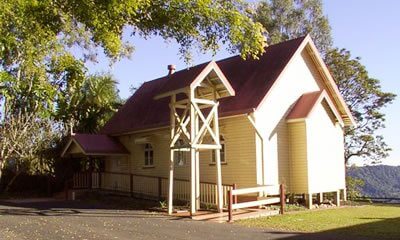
81, 220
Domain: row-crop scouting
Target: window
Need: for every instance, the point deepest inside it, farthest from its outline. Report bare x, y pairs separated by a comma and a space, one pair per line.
148, 155
180, 157
221, 153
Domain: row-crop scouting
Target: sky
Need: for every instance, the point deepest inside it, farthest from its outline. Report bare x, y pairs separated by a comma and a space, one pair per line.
369, 29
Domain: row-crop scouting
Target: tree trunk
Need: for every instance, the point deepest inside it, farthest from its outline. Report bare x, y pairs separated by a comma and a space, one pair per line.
10, 183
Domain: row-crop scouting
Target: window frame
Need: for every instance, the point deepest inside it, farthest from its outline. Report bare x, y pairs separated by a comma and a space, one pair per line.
148, 155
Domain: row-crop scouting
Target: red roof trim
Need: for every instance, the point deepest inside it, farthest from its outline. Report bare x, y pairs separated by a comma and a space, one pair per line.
96, 144
304, 105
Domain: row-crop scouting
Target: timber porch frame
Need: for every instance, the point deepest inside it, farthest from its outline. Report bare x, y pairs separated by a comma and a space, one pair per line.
156, 188
190, 122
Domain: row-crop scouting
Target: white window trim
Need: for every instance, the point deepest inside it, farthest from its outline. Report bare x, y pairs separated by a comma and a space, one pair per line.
147, 151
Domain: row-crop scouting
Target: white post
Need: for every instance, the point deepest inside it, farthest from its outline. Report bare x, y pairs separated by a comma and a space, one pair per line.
197, 180
171, 183
309, 200
171, 160
337, 198
196, 123
320, 197
192, 156
344, 194
218, 163
192, 181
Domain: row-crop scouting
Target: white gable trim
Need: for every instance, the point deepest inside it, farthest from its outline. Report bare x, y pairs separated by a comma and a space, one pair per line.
196, 82
213, 66
330, 84
69, 145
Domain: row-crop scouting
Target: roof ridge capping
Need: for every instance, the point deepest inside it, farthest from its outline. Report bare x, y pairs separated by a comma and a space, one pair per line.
211, 66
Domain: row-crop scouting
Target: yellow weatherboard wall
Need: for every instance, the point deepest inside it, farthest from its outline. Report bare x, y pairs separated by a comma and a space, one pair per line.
240, 167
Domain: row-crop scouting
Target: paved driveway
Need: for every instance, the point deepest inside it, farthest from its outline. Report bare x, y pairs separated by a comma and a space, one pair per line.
83, 220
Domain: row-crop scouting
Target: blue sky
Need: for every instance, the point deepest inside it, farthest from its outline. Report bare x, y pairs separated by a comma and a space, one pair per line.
369, 29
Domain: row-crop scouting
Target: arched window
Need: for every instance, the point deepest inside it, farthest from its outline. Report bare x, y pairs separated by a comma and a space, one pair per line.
222, 151
148, 155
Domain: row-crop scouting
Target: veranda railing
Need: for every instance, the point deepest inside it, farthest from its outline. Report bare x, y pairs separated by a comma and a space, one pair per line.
147, 187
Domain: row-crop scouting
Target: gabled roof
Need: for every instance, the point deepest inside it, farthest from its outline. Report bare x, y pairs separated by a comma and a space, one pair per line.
95, 145
250, 79
182, 84
307, 103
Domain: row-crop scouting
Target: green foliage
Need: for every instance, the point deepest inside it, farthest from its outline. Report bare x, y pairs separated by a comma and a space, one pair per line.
353, 186
365, 99
88, 23
45, 44
379, 181
288, 19
163, 204
90, 104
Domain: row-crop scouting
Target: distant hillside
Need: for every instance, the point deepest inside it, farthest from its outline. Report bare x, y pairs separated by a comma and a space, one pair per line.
380, 180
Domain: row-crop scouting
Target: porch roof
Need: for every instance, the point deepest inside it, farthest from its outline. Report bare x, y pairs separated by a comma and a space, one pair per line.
93, 145
306, 104
206, 74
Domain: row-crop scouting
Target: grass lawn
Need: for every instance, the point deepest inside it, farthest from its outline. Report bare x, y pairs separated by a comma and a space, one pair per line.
372, 221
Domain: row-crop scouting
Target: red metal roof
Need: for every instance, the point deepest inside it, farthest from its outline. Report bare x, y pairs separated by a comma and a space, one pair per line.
304, 105
97, 144
251, 80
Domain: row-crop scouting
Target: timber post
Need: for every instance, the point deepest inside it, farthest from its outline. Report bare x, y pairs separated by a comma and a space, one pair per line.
337, 198
99, 180
159, 188
131, 184
282, 198
194, 118
171, 157
230, 210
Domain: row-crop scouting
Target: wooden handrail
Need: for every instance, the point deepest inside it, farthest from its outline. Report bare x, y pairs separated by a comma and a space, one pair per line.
233, 204
165, 178
264, 188
128, 183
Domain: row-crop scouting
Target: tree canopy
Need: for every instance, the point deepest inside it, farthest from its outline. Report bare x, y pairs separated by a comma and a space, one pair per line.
365, 98
288, 19
45, 45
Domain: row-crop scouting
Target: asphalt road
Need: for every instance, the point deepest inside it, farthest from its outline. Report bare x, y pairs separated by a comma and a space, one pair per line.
81, 220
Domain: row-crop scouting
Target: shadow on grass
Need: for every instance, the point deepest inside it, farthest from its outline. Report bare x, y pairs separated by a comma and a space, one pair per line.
382, 229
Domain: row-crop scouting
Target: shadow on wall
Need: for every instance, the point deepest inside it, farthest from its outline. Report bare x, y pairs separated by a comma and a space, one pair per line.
382, 229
